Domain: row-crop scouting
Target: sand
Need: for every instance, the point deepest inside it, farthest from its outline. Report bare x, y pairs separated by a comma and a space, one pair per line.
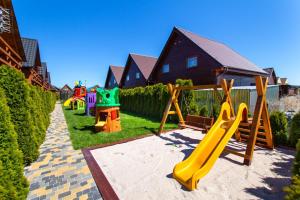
142, 169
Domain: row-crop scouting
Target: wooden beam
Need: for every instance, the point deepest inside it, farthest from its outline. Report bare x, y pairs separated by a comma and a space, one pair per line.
260, 112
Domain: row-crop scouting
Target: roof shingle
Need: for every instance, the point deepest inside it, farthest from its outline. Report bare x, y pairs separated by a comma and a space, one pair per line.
145, 63
30, 48
222, 53
117, 72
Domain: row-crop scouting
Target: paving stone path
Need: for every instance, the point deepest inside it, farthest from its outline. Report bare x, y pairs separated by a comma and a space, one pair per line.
60, 172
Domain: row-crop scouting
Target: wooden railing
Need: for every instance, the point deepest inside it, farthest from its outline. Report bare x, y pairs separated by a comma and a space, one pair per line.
8, 56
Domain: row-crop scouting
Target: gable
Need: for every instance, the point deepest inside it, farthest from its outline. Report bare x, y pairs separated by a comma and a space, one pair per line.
13, 37
221, 53
31, 49
223, 56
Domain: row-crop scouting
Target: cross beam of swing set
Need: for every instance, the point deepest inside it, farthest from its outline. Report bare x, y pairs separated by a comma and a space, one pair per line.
260, 113
174, 91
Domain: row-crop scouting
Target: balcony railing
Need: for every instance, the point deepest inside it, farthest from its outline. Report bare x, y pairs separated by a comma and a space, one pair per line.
8, 56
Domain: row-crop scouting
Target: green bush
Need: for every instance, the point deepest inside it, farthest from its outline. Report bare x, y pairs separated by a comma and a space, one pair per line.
279, 125
13, 184
29, 108
293, 191
295, 130
204, 111
216, 111
187, 99
17, 93
296, 165
149, 101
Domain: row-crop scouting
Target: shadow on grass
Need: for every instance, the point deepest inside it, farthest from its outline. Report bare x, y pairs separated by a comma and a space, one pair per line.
80, 114
86, 128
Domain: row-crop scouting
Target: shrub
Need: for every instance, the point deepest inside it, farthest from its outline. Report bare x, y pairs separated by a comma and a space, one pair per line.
187, 99
39, 116
13, 184
279, 127
216, 110
296, 165
295, 130
204, 111
17, 93
293, 191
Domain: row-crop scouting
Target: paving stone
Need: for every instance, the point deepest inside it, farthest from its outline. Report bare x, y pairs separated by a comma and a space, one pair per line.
59, 166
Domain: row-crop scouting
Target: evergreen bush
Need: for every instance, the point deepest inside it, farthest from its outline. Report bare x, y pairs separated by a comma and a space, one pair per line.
16, 90
294, 135
187, 99
279, 125
13, 184
204, 111
216, 110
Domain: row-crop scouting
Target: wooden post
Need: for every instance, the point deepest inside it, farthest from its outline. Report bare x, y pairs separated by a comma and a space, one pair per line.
172, 93
227, 86
260, 112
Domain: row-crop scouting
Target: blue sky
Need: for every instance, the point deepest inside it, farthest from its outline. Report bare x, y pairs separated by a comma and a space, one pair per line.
80, 39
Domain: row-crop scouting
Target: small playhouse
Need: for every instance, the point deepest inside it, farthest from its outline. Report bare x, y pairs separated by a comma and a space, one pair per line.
90, 101
77, 101
107, 117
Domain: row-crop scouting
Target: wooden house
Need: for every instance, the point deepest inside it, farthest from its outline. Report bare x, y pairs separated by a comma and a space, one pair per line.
66, 92
32, 68
187, 55
272, 75
113, 76
137, 70
11, 48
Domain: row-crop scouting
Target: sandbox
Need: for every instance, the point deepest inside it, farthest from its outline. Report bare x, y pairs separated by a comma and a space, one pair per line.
142, 169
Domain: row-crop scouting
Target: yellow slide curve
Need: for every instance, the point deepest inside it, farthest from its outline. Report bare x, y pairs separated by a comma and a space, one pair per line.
202, 159
68, 101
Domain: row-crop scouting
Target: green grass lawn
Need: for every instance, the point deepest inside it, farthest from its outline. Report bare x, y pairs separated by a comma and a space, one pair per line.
82, 133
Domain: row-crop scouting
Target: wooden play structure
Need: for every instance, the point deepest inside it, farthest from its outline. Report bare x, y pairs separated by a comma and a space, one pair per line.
107, 111
77, 101
252, 131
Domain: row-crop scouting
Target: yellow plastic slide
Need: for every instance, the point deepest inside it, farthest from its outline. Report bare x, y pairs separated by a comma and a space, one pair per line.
202, 159
68, 101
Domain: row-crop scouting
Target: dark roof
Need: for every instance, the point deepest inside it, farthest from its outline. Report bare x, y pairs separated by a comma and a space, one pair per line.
48, 78
269, 70
30, 47
224, 55
67, 87
44, 69
144, 63
117, 72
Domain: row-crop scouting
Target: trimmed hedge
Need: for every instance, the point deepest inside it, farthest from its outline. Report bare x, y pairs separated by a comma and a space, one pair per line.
148, 101
151, 100
17, 93
13, 184
29, 108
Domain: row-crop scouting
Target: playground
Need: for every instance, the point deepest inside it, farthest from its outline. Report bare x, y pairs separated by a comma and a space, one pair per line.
203, 158
142, 169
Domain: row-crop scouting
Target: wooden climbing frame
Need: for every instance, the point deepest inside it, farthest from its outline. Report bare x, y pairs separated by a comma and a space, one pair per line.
260, 121
174, 91
260, 118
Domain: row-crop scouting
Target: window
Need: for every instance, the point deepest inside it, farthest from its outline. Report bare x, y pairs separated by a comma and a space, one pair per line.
166, 68
192, 62
137, 75
109, 83
115, 81
127, 78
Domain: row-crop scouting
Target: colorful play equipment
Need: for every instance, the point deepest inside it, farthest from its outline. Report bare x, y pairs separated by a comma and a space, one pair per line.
107, 111
252, 131
77, 101
90, 100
